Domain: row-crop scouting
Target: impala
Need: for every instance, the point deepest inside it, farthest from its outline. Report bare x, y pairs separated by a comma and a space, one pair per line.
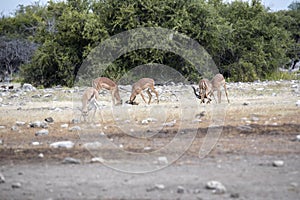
139, 86
106, 83
207, 88
90, 97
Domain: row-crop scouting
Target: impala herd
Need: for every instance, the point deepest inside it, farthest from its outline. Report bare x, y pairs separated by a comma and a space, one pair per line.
90, 96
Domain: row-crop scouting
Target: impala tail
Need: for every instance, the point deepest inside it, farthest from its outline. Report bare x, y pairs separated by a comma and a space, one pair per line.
197, 95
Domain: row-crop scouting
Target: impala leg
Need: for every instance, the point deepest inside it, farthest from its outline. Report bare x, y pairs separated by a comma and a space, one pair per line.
156, 94
150, 95
219, 96
212, 94
143, 97
226, 93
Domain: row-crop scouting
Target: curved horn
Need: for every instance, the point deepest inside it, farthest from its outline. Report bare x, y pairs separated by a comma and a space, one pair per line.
197, 95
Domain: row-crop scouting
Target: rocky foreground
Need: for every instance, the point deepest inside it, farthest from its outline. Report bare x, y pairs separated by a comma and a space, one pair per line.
47, 152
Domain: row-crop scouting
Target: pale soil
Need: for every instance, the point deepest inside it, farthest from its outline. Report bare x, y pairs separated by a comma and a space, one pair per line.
253, 136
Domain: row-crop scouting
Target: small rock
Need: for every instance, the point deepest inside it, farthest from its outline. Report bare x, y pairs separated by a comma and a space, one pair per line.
298, 103
58, 110
1, 142
156, 187
47, 95
28, 87
75, 128
147, 148
14, 128
180, 189
75, 121
92, 145
298, 138
2, 178
41, 155
255, 119
163, 160
235, 195
97, 159
260, 89
64, 125
244, 128
35, 143
20, 123
246, 103
159, 186
278, 163
69, 160
2, 127
42, 132
216, 186
145, 122
38, 124
62, 144
170, 124
16, 185
36, 96
49, 120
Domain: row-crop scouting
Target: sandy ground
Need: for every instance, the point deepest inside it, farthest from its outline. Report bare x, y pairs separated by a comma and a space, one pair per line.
168, 150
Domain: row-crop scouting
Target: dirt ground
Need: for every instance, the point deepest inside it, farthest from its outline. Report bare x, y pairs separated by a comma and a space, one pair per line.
168, 150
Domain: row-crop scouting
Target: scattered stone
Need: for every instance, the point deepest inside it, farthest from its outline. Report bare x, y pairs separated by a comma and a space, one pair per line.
62, 144
298, 103
20, 123
156, 187
255, 119
216, 186
16, 185
278, 163
159, 186
92, 145
75, 128
14, 128
180, 189
1, 142
244, 128
97, 160
69, 160
260, 89
75, 121
145, 122
41, 155
298, 138
36, 96
147, 148
42, 132
163, 160
2, 178
49, 120
35, 143
235, 195
246, 103
47, 95
38, 124
28, 87
64, 125
2, 127
170, 124
58, 110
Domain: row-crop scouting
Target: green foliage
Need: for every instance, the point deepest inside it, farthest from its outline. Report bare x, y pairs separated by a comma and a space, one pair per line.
245, 40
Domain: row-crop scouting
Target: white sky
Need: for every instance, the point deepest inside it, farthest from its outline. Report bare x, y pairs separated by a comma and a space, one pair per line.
9, 6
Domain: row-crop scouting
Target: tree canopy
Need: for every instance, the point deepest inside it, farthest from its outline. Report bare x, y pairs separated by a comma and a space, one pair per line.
246, 41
